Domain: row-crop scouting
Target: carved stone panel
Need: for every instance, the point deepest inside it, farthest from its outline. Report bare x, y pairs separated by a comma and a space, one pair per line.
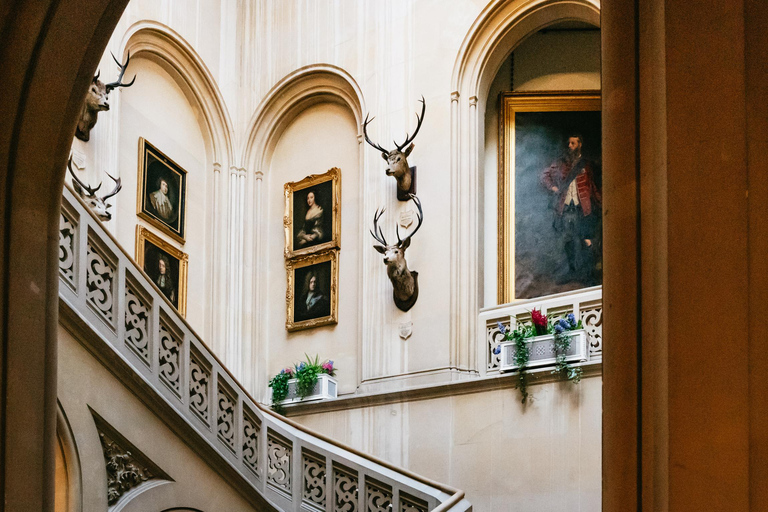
344, 489
67, 248
170, 358
279, 463
378, 496
225, 418
313, 473
199, 387
137, 323
251, 433
592, 320
410, 503
100, 281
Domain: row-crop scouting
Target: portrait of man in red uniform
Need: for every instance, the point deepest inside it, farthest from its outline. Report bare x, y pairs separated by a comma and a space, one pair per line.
575, 200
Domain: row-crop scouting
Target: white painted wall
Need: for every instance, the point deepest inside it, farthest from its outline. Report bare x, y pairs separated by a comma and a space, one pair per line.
171, 125
321, 137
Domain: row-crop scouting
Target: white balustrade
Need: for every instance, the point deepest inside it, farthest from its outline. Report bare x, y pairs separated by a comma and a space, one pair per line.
103, 290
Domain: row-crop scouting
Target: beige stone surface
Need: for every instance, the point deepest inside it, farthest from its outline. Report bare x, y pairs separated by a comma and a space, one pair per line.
85, 383
545, 456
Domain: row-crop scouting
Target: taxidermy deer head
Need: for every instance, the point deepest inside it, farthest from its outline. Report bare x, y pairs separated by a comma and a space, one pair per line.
96, 100
98, 205
397, 158
405, 282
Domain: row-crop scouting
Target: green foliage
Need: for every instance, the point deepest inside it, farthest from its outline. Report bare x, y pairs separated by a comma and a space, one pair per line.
562, 341
279, 385
306, 375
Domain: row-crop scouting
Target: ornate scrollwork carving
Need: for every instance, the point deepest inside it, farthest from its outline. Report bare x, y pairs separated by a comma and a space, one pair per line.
494, 338
67, 249
137, 324
378, 497
410, 503
123, 473
100, 279
279, 463
126, 466
344, 489
170, 350
314, 491
225, 421
251, 432
199, 380
592, 320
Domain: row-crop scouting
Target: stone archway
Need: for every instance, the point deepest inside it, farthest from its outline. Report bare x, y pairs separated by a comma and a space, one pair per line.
48, 52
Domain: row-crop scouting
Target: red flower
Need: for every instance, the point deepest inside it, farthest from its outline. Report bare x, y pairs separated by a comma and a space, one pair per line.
539, 320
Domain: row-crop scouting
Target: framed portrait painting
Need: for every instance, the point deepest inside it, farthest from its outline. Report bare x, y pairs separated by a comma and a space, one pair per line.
165, 265
162, 194
549, 194
312, 294
313, 214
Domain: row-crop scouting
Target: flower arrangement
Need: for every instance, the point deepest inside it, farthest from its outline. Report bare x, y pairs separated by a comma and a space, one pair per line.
541, 325
306, 375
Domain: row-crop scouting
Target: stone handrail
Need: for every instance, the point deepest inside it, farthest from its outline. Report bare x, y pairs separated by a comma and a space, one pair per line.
137, 331
586, 305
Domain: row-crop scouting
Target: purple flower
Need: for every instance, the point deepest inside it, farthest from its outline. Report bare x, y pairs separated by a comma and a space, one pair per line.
502, 328
497, 350
559, 328
571, 320
564, 324
301, 366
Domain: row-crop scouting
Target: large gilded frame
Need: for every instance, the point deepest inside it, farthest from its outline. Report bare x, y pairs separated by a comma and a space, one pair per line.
143, 234
304, 261
145, 149
334, 176
510, 103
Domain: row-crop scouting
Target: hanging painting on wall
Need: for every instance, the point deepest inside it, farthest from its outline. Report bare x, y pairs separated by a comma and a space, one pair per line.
313, 213
311, 297
550, 192
162, 191
165, 265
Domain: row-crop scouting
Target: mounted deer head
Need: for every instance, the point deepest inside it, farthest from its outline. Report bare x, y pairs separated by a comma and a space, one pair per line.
405, 282
98, 205
96, 100
397, 158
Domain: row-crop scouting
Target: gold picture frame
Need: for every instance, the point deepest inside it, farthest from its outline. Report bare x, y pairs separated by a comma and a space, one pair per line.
305, 311
150, 250
314, 230
162, 205
542, 124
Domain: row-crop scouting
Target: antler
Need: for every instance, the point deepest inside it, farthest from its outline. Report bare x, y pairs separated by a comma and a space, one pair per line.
419, 216
91, 191
419, 120
365, 132
115, 85
118, 187
377, 234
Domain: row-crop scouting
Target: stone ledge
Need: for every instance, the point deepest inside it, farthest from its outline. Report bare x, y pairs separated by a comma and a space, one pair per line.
479, 385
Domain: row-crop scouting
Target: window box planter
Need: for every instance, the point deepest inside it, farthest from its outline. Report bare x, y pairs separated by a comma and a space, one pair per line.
326, 388
543, 351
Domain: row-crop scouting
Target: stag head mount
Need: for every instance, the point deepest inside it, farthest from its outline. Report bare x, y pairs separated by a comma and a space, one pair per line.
96, 100
397, 158
405, 282
98, 205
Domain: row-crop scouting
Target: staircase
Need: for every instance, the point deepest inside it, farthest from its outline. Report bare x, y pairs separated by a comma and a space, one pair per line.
126, 322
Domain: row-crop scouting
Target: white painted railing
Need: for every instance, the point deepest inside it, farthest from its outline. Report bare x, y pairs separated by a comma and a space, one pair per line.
586, 305
291, 467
